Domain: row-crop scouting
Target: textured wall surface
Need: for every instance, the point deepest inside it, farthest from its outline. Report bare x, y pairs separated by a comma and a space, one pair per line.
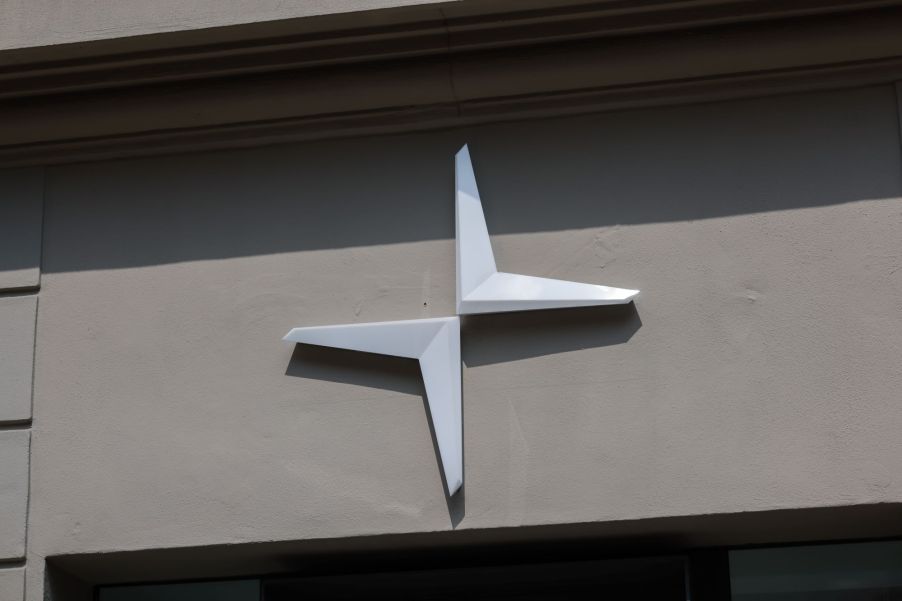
759, 368
30, 23
21, 209
17, 321
13, 493
12, 584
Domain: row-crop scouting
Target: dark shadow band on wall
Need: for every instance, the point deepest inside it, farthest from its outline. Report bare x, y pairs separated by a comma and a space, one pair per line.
503, 337
485, 339
597, 172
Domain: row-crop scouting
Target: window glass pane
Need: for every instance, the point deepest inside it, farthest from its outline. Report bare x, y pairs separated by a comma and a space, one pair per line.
847, 572
229, 590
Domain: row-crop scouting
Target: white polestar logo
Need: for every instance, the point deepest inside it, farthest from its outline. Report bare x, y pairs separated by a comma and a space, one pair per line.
435, 342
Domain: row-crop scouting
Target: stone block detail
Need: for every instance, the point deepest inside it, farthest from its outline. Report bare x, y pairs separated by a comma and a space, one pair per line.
17, 324
14, 446
12, 584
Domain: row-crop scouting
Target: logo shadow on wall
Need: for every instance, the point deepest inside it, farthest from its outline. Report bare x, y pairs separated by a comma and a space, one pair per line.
486, 340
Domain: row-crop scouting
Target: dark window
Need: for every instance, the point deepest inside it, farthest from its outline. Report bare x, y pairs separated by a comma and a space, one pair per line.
658, 579
224, 590
835, 572
847, 572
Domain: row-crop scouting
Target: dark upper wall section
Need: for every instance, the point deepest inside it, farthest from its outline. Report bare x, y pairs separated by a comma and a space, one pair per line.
425, 67
644, 166
21, 213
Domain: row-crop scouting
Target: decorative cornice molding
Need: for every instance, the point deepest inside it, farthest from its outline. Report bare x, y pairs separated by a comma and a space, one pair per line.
437, 73
439, 31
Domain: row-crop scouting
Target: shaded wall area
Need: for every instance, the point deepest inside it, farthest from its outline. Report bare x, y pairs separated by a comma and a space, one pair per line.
615, 169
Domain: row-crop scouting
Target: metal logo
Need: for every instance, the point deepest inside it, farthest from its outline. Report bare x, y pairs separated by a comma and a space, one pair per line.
435, 342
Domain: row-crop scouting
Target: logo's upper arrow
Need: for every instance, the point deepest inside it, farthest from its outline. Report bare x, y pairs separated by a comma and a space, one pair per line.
481, 288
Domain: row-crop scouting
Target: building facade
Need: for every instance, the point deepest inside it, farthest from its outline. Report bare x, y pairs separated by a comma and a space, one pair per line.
183, 183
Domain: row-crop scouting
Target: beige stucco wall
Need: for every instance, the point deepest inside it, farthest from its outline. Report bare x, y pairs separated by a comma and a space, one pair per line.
759, 368
36, 23
21, 202
12, 583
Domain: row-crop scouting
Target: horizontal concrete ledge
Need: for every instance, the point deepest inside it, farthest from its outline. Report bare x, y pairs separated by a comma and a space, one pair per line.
22, 424
486, 546
10, 564
451, 85
452, 114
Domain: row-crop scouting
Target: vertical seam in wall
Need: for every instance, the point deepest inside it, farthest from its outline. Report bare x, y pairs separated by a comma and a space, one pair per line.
43, 214
37, 307
27, 507
34, 357
687, 579
898, 89
34, 344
